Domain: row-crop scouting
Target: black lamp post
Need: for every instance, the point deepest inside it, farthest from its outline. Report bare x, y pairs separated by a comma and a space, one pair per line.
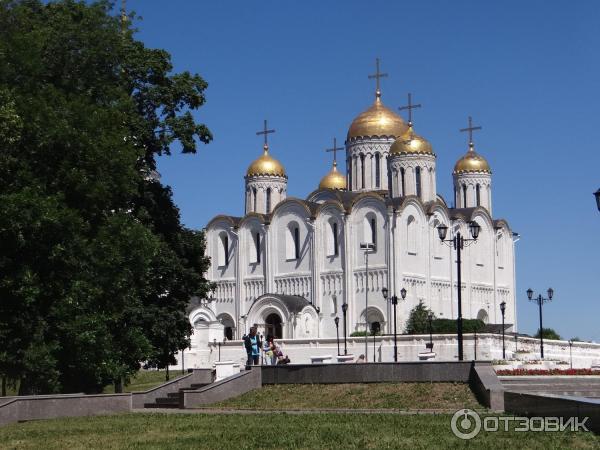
430, 324
345, 310
503, 310
571, 351
337, 332
394, 300
540, 301
597, 195
458, 242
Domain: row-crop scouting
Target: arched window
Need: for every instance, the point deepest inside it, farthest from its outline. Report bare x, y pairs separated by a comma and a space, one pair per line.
418, 181
403, 192
370, 229
411, 236
362, 170
336, 246
268, 200
257, 247
223, 252
377, 170
254, 199
464, 189
292, 247
478, 194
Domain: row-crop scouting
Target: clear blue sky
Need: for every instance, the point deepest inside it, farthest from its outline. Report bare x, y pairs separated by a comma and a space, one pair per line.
528, 72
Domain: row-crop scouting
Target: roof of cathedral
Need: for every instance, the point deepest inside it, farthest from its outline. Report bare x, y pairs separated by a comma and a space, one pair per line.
378, 121
411, 144
294, 303
266, 165
472, 162
333, 180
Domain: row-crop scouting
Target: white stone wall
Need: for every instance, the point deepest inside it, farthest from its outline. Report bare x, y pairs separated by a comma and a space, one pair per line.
408, 165
256, 193
480, 347
363, 152
470, 181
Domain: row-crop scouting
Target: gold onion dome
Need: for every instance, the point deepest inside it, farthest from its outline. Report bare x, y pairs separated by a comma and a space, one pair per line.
411, 144
377, 121
333, 180
472, 162
266, 165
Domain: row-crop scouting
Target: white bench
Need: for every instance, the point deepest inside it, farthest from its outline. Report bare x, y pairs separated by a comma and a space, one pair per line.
345, 358
321, 359
423, 356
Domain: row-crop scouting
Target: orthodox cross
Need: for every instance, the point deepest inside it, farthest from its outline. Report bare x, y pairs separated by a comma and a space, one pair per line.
335, 149
410, 107
470, 130
265, 132
377, 75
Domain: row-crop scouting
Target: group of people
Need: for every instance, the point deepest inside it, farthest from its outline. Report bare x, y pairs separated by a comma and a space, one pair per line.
271, 351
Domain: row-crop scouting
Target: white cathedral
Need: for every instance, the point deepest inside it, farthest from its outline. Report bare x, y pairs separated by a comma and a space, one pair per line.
289, 264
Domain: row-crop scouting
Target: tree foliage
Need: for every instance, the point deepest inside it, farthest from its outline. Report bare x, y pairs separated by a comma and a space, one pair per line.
96, 269
549, 333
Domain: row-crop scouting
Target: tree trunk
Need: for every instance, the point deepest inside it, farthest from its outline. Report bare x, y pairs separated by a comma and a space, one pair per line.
3, 386
119, 385
167, 373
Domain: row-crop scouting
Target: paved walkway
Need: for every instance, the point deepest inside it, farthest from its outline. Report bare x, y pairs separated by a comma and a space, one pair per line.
407, 412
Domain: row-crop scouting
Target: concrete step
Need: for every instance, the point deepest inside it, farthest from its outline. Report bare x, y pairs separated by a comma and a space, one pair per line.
173, 395
197, 385
167, 400
162, 405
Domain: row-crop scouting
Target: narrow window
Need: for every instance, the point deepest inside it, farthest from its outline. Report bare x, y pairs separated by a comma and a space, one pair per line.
254, 199
403, 193
362, 170
464, 205
377, 171
478, 194
418, 181
268, 200
373, 231
334, 230
297, 243
349, 168
224, 250
257, 247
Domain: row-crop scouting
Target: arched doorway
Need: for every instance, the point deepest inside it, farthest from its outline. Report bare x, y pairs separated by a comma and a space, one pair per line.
273, 326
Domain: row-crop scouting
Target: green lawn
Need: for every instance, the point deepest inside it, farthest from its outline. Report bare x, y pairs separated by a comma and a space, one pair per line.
144, 380
371, 396
253, 431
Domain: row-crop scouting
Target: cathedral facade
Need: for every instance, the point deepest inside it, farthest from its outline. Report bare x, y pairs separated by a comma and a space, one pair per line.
290, 266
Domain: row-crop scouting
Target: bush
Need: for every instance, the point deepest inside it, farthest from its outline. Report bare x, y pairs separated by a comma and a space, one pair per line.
549, 333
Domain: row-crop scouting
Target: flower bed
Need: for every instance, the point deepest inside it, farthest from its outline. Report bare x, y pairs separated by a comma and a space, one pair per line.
547, 372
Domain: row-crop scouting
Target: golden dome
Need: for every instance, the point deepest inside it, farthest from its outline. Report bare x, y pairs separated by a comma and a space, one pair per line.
472, 162
411, 143
266, 165
333, 180
377, 121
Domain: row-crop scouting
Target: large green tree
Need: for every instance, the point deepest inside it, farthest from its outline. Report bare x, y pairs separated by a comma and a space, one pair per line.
96, 268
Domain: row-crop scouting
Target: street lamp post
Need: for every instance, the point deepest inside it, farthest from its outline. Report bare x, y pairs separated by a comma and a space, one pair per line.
503, 310
571, 351
337, 332
430, 323
344, 311
394, 300
367, 247
597, 195
540, 301
458, 242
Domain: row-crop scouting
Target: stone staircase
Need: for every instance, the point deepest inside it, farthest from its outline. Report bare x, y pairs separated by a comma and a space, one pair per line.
575, 386
172, 398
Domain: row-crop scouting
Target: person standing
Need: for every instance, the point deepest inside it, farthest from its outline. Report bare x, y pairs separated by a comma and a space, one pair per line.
252, 344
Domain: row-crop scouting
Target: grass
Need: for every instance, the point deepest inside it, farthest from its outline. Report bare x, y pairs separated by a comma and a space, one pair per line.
372, 396
250, 431
144, 380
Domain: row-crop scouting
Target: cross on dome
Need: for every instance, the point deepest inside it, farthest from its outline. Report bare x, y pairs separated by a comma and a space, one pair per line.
377, 75
409, 107
265, 132
470, 130
335, 149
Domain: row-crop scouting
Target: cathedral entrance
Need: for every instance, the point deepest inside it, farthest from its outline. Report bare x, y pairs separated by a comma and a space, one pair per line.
273, 326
